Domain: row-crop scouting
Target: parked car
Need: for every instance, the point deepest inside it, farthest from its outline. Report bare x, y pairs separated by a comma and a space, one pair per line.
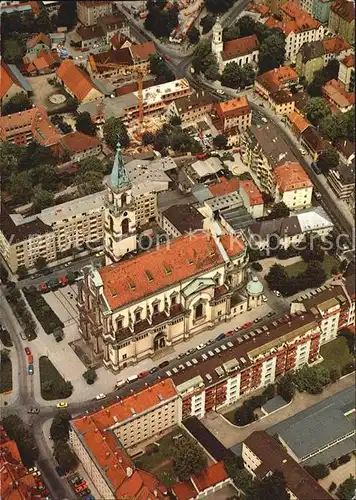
43, 288
277, 293
247, 325
100, 254
85, 492
33, 410
62, 404
220, 336
220, 92
143, 374
100, 396
76, 479
30, 369
63, 281
237, 328
154, 369
264, 298
229, 334
181, 355
27, 351
163, 364
200, 346
316, 168
257, 320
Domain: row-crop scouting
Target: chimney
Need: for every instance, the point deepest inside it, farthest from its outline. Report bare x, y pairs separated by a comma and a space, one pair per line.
129, 471
107, 454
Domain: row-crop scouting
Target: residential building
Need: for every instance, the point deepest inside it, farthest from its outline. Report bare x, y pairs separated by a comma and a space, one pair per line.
346, 74
210, 480
80, 146
114, 25
346, 150
264, 454
204, 170
342, 180
313, 142
45, 62
234, 113
342, 19
262, 150
330, 424
77, 83
252, 198
192, 107
297, 123
290, 230
251, 363
275, 80
12, 82
224, 186
336, 47
88, 12
293, 186
321, 10
298, 27
181, 219
17, 482
281, 102
338, 98
37, 43
91, 35
30, 125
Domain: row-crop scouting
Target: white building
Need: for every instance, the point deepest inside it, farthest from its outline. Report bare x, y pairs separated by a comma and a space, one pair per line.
293, 186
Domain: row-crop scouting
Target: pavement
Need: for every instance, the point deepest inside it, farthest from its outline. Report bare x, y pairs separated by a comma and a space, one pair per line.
339, 475
230, 435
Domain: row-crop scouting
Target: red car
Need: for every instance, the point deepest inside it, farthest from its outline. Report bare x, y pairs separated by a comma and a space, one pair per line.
247, 325
80, 487
167, 58
143, 374
228, 334
63, 281
200, 156
27, 351
44, 288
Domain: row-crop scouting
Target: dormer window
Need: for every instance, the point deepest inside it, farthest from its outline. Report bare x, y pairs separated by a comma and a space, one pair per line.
149, 276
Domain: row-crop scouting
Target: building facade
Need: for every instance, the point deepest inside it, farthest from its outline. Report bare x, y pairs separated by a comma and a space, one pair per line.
342, 19
321, 10
293, 186
88, 13
234, 114
346, 74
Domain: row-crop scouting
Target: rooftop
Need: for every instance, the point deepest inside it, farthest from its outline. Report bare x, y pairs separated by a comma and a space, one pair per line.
240, 47
313, 218
158, 93
76, 142
149, 176
195, 100
142, 52
336, 92
90, 32
224, 186
346, 148
314, 140
298, 121
291, 176
344, 173
294, 19
252, 192
32, 41
335, 45
77, 81
233, 107
282, 97
349, 61
267, 139
344, 9
185, 218
10, 75
225, 201
275, 458
149, 272
275, 79
288, 226
209, 166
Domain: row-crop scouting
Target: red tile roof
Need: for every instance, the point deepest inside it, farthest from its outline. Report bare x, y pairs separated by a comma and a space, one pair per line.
224, 186
298, 121
7, 79
344, 9
274, 80
294, 19
337, 93
39, 38
76, 142
77, 81
335, 45
349, 61
252, 191
291, 176
184, 491
240, 47
141, 52
259, 8
233, 107
182, 258
210, 476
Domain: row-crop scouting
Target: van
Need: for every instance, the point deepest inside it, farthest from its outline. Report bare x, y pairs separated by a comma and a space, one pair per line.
119, 384
131, 379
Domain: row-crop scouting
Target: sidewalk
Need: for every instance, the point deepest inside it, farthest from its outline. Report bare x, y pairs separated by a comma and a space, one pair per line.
231, 435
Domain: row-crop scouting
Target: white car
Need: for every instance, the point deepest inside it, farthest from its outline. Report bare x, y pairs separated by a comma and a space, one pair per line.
200, 346
277, 293
221, 92
100, 396
303, 151
264, 298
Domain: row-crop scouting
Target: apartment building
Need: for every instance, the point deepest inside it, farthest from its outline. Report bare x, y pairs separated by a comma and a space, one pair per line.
313, 142
321, 10
346, 74
281, 102
88, 12
192, 107
338, 97
293, 186
252, 198
342, 180
342, 19
30, 125
298, 26
80, 146
263, 454
234, 114
180, 219
275, 80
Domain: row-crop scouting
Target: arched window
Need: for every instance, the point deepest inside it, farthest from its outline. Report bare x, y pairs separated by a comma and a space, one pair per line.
123, 199
125, 226
111, 223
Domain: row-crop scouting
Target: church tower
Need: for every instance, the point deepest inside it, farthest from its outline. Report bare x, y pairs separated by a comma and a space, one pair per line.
120, 217
217, 45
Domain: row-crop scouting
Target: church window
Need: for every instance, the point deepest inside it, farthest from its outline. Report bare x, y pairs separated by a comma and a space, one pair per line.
138, 316
111, 223
199, 311
123, 199
125, 226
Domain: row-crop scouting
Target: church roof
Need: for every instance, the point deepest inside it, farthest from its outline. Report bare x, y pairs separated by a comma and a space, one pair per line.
118, 178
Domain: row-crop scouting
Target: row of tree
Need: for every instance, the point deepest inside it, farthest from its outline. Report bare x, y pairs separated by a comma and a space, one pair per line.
172, 136
161, 18
278, 279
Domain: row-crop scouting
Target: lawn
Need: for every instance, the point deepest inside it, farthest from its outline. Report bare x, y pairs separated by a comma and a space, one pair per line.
300, 267
53, 385
160, 463
336, 353
6, 376
43, 312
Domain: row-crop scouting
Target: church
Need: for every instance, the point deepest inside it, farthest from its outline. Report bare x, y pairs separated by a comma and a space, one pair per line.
241, 50
142, 302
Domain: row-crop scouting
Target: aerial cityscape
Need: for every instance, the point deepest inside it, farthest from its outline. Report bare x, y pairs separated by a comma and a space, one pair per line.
177, 250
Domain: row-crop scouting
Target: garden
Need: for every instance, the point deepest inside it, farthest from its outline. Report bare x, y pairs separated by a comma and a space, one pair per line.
5, 371
43, 312
53, 385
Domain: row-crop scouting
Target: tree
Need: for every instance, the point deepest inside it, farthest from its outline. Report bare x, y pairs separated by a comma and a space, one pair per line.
40, 263
279, 211
272, 52
316, 109
256, 266
269, 392
43, 21
147, 138
212, 72
219, 6
346, 490
67, 15
277, 278
332, 486
314, 275
48, 176
231, 33
188, 459
311, 379
350, 124
5, 355
90, 376
22, 272
328, 160
317, 471
232, 75
42, 199
235, 468
60, 426
313, 248
193, 35
246, 26
244, 415
160, 69
65, 457
220, 141
203, 58
334, 126
247, 75
286, 387
16, 103
113, 129
175, 121
14, 49
161, 21
207, 23
20, 186
271, 487
330, 72
84, 124
17, 431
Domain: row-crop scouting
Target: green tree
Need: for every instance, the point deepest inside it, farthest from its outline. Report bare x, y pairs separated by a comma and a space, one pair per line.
212, 73
147, 138
16, 103
316, 109
160, 69
22, 272
335, 374
279, 211
246, 26
219, 6
207, 23
20, 186
64, 455
40, 263
14, 49
272, 52
311, 379
314, 275
333, 127
90, 376
277, 278
313, 249
83, 123
193, 35
235, 468
60, 426
350, 124
67, 15
42, 198
244, 415
328, 160
317, 471
286, 387
247, 75
114, 128
188, 459
161, 21
43, 21
16, 430
232, 76
203, 58
175, 121
220, 141
271, 487
231, 33
4, 355
48, 176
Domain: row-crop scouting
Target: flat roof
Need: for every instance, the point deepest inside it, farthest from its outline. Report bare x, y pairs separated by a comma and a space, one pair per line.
90, 203
207, 167
157, 93
231, 200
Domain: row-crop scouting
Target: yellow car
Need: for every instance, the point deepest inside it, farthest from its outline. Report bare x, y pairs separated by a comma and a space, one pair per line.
62, 404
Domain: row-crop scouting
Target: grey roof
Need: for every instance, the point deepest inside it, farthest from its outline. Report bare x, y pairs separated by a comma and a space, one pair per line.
346, 173
226, 201
112, 107
287, 226
274, 404
19, 76
237, 218
269, 140
201, 193
317, 426
311, 50
185, 218
338, 450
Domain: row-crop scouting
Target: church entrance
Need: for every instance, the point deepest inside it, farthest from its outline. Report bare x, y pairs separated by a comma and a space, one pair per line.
159, 342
